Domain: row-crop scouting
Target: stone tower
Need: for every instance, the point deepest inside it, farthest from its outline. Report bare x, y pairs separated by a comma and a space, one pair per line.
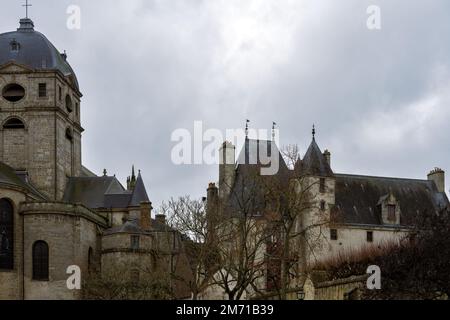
40, 130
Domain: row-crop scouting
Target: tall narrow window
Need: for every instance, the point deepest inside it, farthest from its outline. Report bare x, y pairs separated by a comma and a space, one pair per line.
6, 235
60, 93
369, 236
90, 260
42, 90
333, 234
322, 185
40, 261
69, 134
323, 205
391, 213
135, 242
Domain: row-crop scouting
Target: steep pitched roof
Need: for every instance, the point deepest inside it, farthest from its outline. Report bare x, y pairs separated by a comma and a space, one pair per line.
104, 192
139, 193
314, 162
357, 198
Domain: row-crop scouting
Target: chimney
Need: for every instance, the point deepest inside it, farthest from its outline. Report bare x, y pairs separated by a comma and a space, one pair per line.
212, 210
438, 176
327, 156
227, 164
146, 212
161, 218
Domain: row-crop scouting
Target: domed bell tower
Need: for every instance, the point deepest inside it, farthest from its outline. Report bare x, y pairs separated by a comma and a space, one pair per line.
40, 130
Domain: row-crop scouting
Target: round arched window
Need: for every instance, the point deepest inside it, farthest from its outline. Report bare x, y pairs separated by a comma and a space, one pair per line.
69, 105
13, 92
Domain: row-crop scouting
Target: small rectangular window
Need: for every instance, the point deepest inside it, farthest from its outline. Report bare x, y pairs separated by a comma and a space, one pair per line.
369, 236
60, 93
333, 234
42, 90
135, 242
322, 185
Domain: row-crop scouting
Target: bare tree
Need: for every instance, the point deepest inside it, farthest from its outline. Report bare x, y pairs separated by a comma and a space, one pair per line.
191, 219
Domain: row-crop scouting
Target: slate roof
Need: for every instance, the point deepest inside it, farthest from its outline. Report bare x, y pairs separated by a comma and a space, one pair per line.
314, 162
104, 192
358, 197
36, 51
9, 176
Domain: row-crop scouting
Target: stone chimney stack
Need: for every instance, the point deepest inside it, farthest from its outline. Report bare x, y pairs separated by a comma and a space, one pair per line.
438, 176
327, 156
146, 214
227, 165
161, 218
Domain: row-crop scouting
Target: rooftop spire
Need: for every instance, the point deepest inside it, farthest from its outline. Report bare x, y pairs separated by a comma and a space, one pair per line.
26, 5
246, 129
314, 132
274, 124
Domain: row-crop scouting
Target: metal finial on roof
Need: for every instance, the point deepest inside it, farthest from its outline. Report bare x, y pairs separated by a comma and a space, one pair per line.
274, 124
26, 5
105, 172
314, 131
246, 128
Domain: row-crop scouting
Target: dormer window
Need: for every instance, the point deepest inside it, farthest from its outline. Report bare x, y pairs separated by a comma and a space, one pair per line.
391, 212
389, 209
15, 46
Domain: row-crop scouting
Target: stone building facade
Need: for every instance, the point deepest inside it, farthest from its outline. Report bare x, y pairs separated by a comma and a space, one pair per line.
345, 213
55, 213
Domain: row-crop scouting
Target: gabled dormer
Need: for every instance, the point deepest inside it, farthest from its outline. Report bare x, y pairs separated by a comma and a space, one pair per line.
389, 209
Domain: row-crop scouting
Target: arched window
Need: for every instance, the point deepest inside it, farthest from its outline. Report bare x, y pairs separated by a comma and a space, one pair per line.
14, 123
6, 235
69, 106
40, 261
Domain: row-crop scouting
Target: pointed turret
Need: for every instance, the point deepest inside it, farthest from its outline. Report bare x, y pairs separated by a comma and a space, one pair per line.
315, 163
139, 192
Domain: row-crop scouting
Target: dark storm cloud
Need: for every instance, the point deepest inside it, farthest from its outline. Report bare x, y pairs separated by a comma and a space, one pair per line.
379, 98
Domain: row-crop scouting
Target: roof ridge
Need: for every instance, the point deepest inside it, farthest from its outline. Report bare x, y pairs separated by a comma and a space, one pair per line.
378, 177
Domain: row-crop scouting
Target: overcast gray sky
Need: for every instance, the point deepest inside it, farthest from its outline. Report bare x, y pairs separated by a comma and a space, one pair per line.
380, 98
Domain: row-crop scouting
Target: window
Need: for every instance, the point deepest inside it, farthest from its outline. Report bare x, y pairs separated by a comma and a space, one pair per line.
333, 234
90, 260
42, 90
59, 93
323, 205
6, 235
369, 236
391, 213
69, 106
69, 134
14, 123
77, 109
40, 261
322, 185
15, 46
13, 92
135, 242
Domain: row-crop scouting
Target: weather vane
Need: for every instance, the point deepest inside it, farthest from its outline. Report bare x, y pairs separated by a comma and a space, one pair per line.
26, 5
314, 131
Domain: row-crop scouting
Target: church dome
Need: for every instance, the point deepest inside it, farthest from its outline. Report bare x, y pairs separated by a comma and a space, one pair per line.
32, 49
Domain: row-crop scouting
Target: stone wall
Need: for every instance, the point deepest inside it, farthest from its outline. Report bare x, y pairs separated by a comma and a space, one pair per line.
42, 148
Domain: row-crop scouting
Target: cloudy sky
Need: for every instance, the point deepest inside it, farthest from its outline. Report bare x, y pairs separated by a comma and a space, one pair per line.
380, 98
